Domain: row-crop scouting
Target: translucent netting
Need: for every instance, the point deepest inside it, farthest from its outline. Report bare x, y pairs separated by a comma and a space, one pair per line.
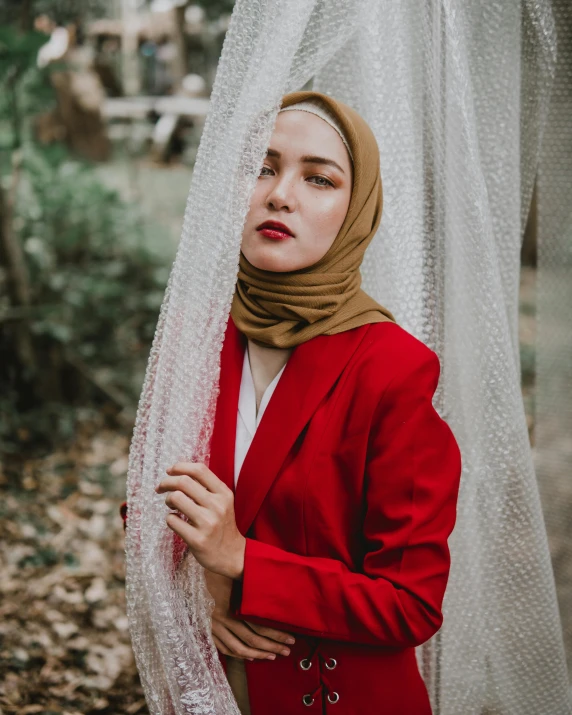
441, 85
553, 428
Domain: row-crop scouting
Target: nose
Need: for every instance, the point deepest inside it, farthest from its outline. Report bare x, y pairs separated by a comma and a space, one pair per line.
281, 194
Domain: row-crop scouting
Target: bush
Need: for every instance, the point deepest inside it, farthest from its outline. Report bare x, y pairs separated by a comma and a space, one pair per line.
95, 296
77, 342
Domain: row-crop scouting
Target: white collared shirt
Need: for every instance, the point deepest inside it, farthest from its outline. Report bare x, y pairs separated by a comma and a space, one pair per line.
247, 420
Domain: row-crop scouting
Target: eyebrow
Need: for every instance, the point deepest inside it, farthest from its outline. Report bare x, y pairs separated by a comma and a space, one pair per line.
307, 159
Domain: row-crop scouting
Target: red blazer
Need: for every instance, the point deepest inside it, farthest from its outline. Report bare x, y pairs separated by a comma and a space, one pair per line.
347, 497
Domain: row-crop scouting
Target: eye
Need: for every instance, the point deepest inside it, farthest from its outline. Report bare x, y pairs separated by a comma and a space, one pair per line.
323, 178
264, 167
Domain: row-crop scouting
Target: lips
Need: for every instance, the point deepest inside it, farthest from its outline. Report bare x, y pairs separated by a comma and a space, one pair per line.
274, 229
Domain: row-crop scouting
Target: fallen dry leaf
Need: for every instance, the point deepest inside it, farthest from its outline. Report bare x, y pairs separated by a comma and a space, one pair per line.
63, 627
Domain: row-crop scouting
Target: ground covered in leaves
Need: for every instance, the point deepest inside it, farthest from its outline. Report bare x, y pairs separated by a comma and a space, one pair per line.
64, 641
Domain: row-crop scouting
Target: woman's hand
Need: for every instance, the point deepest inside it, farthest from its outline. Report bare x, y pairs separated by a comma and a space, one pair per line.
211, 532
241, 639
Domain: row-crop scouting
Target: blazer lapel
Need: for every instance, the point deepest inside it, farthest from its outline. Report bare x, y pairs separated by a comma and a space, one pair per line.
310, 373
224, 430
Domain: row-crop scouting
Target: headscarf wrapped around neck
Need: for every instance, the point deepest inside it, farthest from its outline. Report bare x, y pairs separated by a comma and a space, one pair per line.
283, 309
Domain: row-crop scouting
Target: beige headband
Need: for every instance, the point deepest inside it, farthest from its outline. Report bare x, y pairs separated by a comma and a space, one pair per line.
320, 110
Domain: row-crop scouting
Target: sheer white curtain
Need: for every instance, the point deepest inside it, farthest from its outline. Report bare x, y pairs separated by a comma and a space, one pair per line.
441, 85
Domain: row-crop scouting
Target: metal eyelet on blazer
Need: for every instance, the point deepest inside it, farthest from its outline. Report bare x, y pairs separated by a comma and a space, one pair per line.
308, 699
306, 664
335, 699
331, 663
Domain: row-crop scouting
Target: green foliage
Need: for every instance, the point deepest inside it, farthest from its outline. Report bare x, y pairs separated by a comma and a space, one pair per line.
95, 288
61, 11
18, 50
23, 86
96, 292
94, 281
527, 364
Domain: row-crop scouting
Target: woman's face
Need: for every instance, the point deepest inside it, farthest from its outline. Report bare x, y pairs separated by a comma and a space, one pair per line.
305, 184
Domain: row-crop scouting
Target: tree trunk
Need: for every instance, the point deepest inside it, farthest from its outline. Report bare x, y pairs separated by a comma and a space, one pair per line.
180, 65
12, 257
130, 48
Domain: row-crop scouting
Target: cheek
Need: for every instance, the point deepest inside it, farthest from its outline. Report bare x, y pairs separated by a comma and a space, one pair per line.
329, 215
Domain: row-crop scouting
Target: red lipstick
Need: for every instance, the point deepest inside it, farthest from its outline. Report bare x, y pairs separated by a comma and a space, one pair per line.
275, 229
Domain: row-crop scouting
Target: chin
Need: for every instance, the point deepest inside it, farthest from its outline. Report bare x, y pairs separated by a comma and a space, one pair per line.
269, 264
267, 258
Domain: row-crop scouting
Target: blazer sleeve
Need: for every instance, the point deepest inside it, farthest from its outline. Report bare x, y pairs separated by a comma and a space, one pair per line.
412, 476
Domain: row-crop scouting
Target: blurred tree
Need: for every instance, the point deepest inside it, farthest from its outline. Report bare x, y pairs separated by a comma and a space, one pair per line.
22, 93
181, 63
130, 48
79, 296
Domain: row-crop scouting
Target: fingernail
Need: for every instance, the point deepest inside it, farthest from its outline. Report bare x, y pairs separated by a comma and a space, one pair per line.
290, 640
250, 659
271, 657
286, 651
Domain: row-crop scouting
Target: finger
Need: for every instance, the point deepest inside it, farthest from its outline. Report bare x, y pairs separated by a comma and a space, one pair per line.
201, 473
236, 646
186, 484
272, 633
186, 531
220, 645
254, 640
224, 650
178, 501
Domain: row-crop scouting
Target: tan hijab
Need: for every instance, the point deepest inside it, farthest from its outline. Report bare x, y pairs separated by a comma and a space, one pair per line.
284, 309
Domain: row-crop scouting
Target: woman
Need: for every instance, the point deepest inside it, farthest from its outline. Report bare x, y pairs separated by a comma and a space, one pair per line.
323, 527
